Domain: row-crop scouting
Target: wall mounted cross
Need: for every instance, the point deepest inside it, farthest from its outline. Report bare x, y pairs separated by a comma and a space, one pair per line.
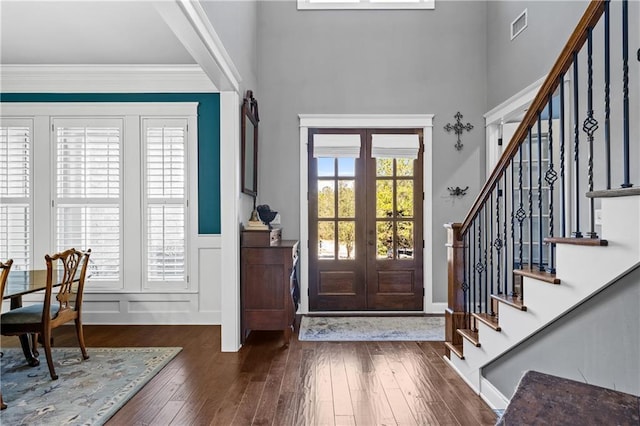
458, 128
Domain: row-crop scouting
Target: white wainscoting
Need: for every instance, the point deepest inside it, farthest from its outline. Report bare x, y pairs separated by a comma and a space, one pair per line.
201, 306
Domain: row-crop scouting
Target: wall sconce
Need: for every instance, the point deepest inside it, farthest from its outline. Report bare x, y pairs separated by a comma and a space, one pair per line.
457, 191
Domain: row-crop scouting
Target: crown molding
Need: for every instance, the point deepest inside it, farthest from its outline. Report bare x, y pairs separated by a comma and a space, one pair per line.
104, 79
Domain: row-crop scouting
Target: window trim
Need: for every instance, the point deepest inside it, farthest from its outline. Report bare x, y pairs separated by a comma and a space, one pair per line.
184, 201
84, 201
365, 5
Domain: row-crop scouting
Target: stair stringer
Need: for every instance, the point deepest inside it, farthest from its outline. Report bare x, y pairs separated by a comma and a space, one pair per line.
583, 270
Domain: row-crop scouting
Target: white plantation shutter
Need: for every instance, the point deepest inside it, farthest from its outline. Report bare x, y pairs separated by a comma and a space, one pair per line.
165, 150
15, 192
88, 191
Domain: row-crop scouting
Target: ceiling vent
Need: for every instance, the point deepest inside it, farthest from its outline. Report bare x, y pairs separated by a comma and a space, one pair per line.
519, 24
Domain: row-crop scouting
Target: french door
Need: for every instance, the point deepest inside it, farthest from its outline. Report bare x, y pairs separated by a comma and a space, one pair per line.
365, 221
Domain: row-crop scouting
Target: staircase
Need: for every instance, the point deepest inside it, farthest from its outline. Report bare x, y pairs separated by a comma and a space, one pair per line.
523, 257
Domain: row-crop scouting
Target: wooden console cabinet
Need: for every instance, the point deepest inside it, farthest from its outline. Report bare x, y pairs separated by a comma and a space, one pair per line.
266, 284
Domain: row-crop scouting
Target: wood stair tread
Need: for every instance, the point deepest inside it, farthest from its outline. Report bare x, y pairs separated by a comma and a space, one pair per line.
538, 275
577, 241
513, 301
456, 349
470, 335
488, 319
618, 192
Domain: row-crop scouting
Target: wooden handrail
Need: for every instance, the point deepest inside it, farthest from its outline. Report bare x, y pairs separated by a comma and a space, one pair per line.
576, 41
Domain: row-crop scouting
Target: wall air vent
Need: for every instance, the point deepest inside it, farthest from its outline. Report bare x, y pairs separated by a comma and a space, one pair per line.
519, 24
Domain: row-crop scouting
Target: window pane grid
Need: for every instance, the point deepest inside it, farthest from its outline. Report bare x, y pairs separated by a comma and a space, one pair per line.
166, 162
15, 238
166, 243
95, 227
88, 162
15, 147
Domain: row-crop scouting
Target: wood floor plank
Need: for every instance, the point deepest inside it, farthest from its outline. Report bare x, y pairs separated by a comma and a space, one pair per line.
306, 383
340, 386
268, 404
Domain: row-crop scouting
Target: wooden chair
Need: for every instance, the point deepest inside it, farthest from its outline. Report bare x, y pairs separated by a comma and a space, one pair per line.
5, 268
42, 318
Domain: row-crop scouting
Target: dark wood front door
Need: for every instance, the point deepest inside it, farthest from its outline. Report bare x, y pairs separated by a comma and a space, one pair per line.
365, 228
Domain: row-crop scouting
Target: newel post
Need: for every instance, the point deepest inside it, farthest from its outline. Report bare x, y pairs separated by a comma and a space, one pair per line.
455, 316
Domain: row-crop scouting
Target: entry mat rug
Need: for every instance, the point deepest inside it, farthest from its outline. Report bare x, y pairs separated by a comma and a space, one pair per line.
87, 392
358, 329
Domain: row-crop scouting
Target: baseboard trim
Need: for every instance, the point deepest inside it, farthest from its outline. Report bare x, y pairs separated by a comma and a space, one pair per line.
462, 376
153, 318
492, 396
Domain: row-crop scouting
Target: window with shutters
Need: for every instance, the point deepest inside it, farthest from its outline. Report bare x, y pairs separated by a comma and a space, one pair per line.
15, 192
112, 177
165, 200
88, 202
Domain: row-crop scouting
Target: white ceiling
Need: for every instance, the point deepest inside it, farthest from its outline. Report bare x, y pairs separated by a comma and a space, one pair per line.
87, 32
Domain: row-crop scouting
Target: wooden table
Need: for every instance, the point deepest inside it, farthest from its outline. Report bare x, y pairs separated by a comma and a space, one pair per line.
20, 283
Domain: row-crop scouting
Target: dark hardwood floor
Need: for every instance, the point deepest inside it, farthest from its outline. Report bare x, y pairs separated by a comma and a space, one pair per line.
308, 383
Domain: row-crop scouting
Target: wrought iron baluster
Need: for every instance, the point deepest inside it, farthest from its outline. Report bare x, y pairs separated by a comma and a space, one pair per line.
490, 247
590, 126
497, 243
504, 224
625, 92
576, 144
540, 224
550, 177
480, 266
530, 198
607, 93
463, 285
486, 269
511, 267
520, 215
562, 160
468, 269
473, 266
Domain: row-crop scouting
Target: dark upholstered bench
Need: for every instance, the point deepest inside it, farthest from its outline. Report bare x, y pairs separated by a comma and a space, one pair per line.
542, 399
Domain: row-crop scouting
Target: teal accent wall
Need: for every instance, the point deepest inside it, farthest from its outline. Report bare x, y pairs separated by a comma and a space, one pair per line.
208, 139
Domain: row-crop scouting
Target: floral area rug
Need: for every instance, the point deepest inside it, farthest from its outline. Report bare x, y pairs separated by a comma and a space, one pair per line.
357, 329
87, 392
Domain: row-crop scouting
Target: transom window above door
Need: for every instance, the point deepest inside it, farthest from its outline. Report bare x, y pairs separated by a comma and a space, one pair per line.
365, 4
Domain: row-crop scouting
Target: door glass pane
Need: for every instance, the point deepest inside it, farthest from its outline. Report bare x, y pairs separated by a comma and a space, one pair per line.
384, 198
404, 198
346, 199
405, 240
384, 166
326, 198
326, 240
326, 166
384, 240
346, 166
346, 239
404, 167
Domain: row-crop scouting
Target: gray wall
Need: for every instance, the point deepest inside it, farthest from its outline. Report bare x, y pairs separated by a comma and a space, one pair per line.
598, 343
235, 23
373, 62
513, 65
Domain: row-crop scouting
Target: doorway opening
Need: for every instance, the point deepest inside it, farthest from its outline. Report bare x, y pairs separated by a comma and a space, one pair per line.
365, 252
